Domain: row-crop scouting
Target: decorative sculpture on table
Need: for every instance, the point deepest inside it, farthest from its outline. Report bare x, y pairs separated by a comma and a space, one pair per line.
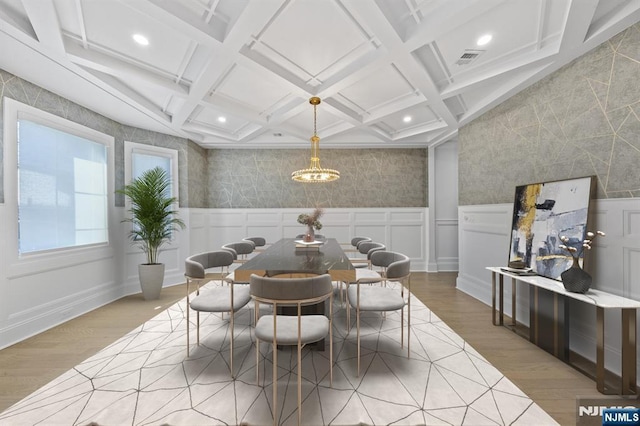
575, 279
313, 223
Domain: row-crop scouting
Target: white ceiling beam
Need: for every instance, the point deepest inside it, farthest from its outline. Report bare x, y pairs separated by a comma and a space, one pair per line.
579, 19
440, 21
418, 130
402, 58
622, 17
255, 15
123, 70
142, 102
174, 15
477, 78
44, 19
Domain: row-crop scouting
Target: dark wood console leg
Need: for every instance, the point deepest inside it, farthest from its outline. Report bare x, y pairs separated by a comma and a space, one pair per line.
513, 303
600, 349
493, 298
628, 385
501, 298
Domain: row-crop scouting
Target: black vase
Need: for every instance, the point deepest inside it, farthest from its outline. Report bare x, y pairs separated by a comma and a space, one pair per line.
575, 279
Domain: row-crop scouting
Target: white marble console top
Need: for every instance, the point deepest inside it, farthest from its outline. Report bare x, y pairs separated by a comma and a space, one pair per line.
593, 297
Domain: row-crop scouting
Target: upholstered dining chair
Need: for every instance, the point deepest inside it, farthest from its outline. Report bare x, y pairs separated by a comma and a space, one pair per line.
352, 246
240, 250
366, 248
217, 299
391, 297
363, 272
259, 243
291, 330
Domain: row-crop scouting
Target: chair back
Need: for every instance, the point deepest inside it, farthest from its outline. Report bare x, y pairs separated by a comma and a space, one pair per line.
397, 265
291, 290
357, 240
370, 247
195, 265
257, 241
240, 248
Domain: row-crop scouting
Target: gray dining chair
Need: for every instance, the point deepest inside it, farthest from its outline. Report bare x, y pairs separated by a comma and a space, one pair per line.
258, 242
363, 267
352, 246
366, 248
198, 269
391, 297
291, 330
239, 250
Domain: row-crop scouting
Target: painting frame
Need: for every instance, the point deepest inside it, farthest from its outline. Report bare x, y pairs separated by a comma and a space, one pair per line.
542, 213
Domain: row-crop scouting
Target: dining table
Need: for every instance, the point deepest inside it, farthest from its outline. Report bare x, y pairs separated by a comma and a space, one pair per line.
297, 258
290, 257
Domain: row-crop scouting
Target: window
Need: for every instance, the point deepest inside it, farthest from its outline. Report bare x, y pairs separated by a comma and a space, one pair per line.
62, 190
139, 158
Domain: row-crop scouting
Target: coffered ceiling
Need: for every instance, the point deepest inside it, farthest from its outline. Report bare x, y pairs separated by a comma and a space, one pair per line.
239, 73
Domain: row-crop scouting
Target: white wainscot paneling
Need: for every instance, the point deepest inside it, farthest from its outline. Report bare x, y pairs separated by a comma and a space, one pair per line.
614, 262
400, 229
403, 240
447, 244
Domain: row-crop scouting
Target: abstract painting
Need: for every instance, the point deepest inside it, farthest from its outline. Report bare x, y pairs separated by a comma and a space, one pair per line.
542, 212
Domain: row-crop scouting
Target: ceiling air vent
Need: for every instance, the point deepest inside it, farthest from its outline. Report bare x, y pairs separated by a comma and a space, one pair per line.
468, 56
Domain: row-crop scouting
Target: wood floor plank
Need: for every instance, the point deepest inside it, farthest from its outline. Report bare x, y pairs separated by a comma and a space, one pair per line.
552, 384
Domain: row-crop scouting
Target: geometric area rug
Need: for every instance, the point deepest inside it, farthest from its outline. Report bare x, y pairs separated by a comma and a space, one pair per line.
146, 378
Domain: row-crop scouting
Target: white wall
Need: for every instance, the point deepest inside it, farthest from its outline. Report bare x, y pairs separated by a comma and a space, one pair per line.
42, 291
443, 199
614, 263
400, 229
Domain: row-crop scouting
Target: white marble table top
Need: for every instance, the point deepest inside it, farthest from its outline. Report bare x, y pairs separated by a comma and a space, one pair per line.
592, 296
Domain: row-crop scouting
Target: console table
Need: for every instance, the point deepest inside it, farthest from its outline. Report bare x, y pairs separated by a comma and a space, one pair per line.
600, 299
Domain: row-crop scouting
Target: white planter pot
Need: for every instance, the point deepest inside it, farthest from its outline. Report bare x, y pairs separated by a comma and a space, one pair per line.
151, 279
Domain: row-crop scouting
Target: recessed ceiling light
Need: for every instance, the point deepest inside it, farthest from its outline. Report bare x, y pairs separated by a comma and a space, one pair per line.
407, 118
140, 39
484, 39
222, 119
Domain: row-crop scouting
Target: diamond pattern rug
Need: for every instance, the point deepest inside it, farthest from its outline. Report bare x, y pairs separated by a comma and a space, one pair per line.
146, 378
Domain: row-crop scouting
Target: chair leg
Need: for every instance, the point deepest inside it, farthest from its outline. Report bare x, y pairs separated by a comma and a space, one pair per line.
198, 329
299, 384
188, 309
331, 341
358, 335
409, 325
231, 343
275, 381
257, 361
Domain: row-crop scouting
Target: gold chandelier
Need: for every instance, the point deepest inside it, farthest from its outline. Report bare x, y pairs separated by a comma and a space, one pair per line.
315, 173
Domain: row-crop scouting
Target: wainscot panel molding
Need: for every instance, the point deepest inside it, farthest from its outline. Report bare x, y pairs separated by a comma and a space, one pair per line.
400, 229
614, 263
447, 244
40, 291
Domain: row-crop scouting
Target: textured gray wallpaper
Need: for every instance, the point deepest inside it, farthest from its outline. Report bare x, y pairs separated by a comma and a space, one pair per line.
582, 120
249, 178
30, 94
243, 178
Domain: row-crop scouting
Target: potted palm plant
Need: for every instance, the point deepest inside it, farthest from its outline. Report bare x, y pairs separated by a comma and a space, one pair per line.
153, 222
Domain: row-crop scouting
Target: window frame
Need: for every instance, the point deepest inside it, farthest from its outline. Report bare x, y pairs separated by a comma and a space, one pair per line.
13, 111
131, 148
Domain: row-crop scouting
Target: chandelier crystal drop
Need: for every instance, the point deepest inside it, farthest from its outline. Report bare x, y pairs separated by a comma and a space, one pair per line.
315, 173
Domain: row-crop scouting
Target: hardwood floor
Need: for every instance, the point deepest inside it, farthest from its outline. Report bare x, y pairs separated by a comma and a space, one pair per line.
28, 365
